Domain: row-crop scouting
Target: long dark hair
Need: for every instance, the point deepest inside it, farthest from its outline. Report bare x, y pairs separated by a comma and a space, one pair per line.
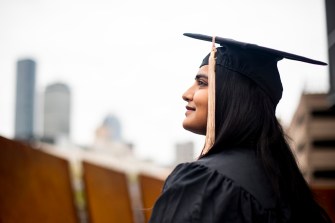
245, 117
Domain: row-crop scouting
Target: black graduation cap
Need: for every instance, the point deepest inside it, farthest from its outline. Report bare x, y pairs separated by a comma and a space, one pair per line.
256, 62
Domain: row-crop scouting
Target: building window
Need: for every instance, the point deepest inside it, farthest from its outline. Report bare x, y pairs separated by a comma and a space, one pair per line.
326, 143
324, 174
326, 113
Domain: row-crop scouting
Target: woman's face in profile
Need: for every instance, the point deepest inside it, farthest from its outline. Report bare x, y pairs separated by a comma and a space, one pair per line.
197, 103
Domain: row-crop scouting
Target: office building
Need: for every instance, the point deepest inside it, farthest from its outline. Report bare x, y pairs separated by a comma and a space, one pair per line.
57, 112
330, 17
312, 131
108, 139
25, 100
110, 129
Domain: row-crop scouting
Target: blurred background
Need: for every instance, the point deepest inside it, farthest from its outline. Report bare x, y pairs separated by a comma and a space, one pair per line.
129, 60
102, 81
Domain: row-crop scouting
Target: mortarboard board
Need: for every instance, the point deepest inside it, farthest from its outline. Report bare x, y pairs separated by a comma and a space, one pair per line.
256, 62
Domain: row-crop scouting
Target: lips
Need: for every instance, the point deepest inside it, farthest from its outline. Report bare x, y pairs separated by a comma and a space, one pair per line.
188, 108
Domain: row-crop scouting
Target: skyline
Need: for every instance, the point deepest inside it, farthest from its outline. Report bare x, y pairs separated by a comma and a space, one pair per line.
130, 58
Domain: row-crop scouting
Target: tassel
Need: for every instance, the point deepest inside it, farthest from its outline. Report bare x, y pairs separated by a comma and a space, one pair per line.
210, 131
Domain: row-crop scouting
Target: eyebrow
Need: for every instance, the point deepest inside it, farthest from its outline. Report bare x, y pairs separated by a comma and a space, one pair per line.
198, 76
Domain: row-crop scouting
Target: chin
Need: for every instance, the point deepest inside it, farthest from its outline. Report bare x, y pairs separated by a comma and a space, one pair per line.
194, 129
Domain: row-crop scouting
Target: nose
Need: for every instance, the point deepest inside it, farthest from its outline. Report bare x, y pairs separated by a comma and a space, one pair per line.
188, 95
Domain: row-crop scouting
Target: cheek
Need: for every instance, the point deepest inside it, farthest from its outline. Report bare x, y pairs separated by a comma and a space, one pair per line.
201, 101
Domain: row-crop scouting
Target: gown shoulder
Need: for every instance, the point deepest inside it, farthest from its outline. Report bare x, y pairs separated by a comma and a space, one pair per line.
199, 192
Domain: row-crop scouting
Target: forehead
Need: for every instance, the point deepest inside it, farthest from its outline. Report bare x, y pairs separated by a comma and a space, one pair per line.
203, 69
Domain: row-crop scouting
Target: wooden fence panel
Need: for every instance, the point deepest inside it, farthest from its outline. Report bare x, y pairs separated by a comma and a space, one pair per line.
150, 187
34, 186
107, 195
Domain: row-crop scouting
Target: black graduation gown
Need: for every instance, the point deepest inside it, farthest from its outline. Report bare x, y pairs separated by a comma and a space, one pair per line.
230, 186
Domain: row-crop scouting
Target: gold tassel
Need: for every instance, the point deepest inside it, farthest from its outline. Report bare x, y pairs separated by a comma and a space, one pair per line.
210, 131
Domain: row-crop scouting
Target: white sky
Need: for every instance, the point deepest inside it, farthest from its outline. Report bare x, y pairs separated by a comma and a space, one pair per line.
129, 58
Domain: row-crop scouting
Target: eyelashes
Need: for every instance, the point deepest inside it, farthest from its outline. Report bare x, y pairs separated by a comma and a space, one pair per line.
202, 83
202, 80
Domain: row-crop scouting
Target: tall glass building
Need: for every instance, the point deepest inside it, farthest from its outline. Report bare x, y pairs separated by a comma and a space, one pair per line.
25, 99
330, 16
57, 108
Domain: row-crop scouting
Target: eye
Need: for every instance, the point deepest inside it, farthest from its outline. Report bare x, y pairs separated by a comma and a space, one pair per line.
201, 80
202, 83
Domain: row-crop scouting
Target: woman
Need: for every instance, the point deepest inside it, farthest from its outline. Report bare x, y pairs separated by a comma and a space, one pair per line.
246, 172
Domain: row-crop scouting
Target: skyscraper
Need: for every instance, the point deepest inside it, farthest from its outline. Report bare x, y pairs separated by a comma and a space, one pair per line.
25, 99
110, 129
57, 108
108, 138
330, 17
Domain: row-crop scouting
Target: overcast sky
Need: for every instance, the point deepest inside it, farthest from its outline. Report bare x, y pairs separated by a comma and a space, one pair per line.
129, 58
